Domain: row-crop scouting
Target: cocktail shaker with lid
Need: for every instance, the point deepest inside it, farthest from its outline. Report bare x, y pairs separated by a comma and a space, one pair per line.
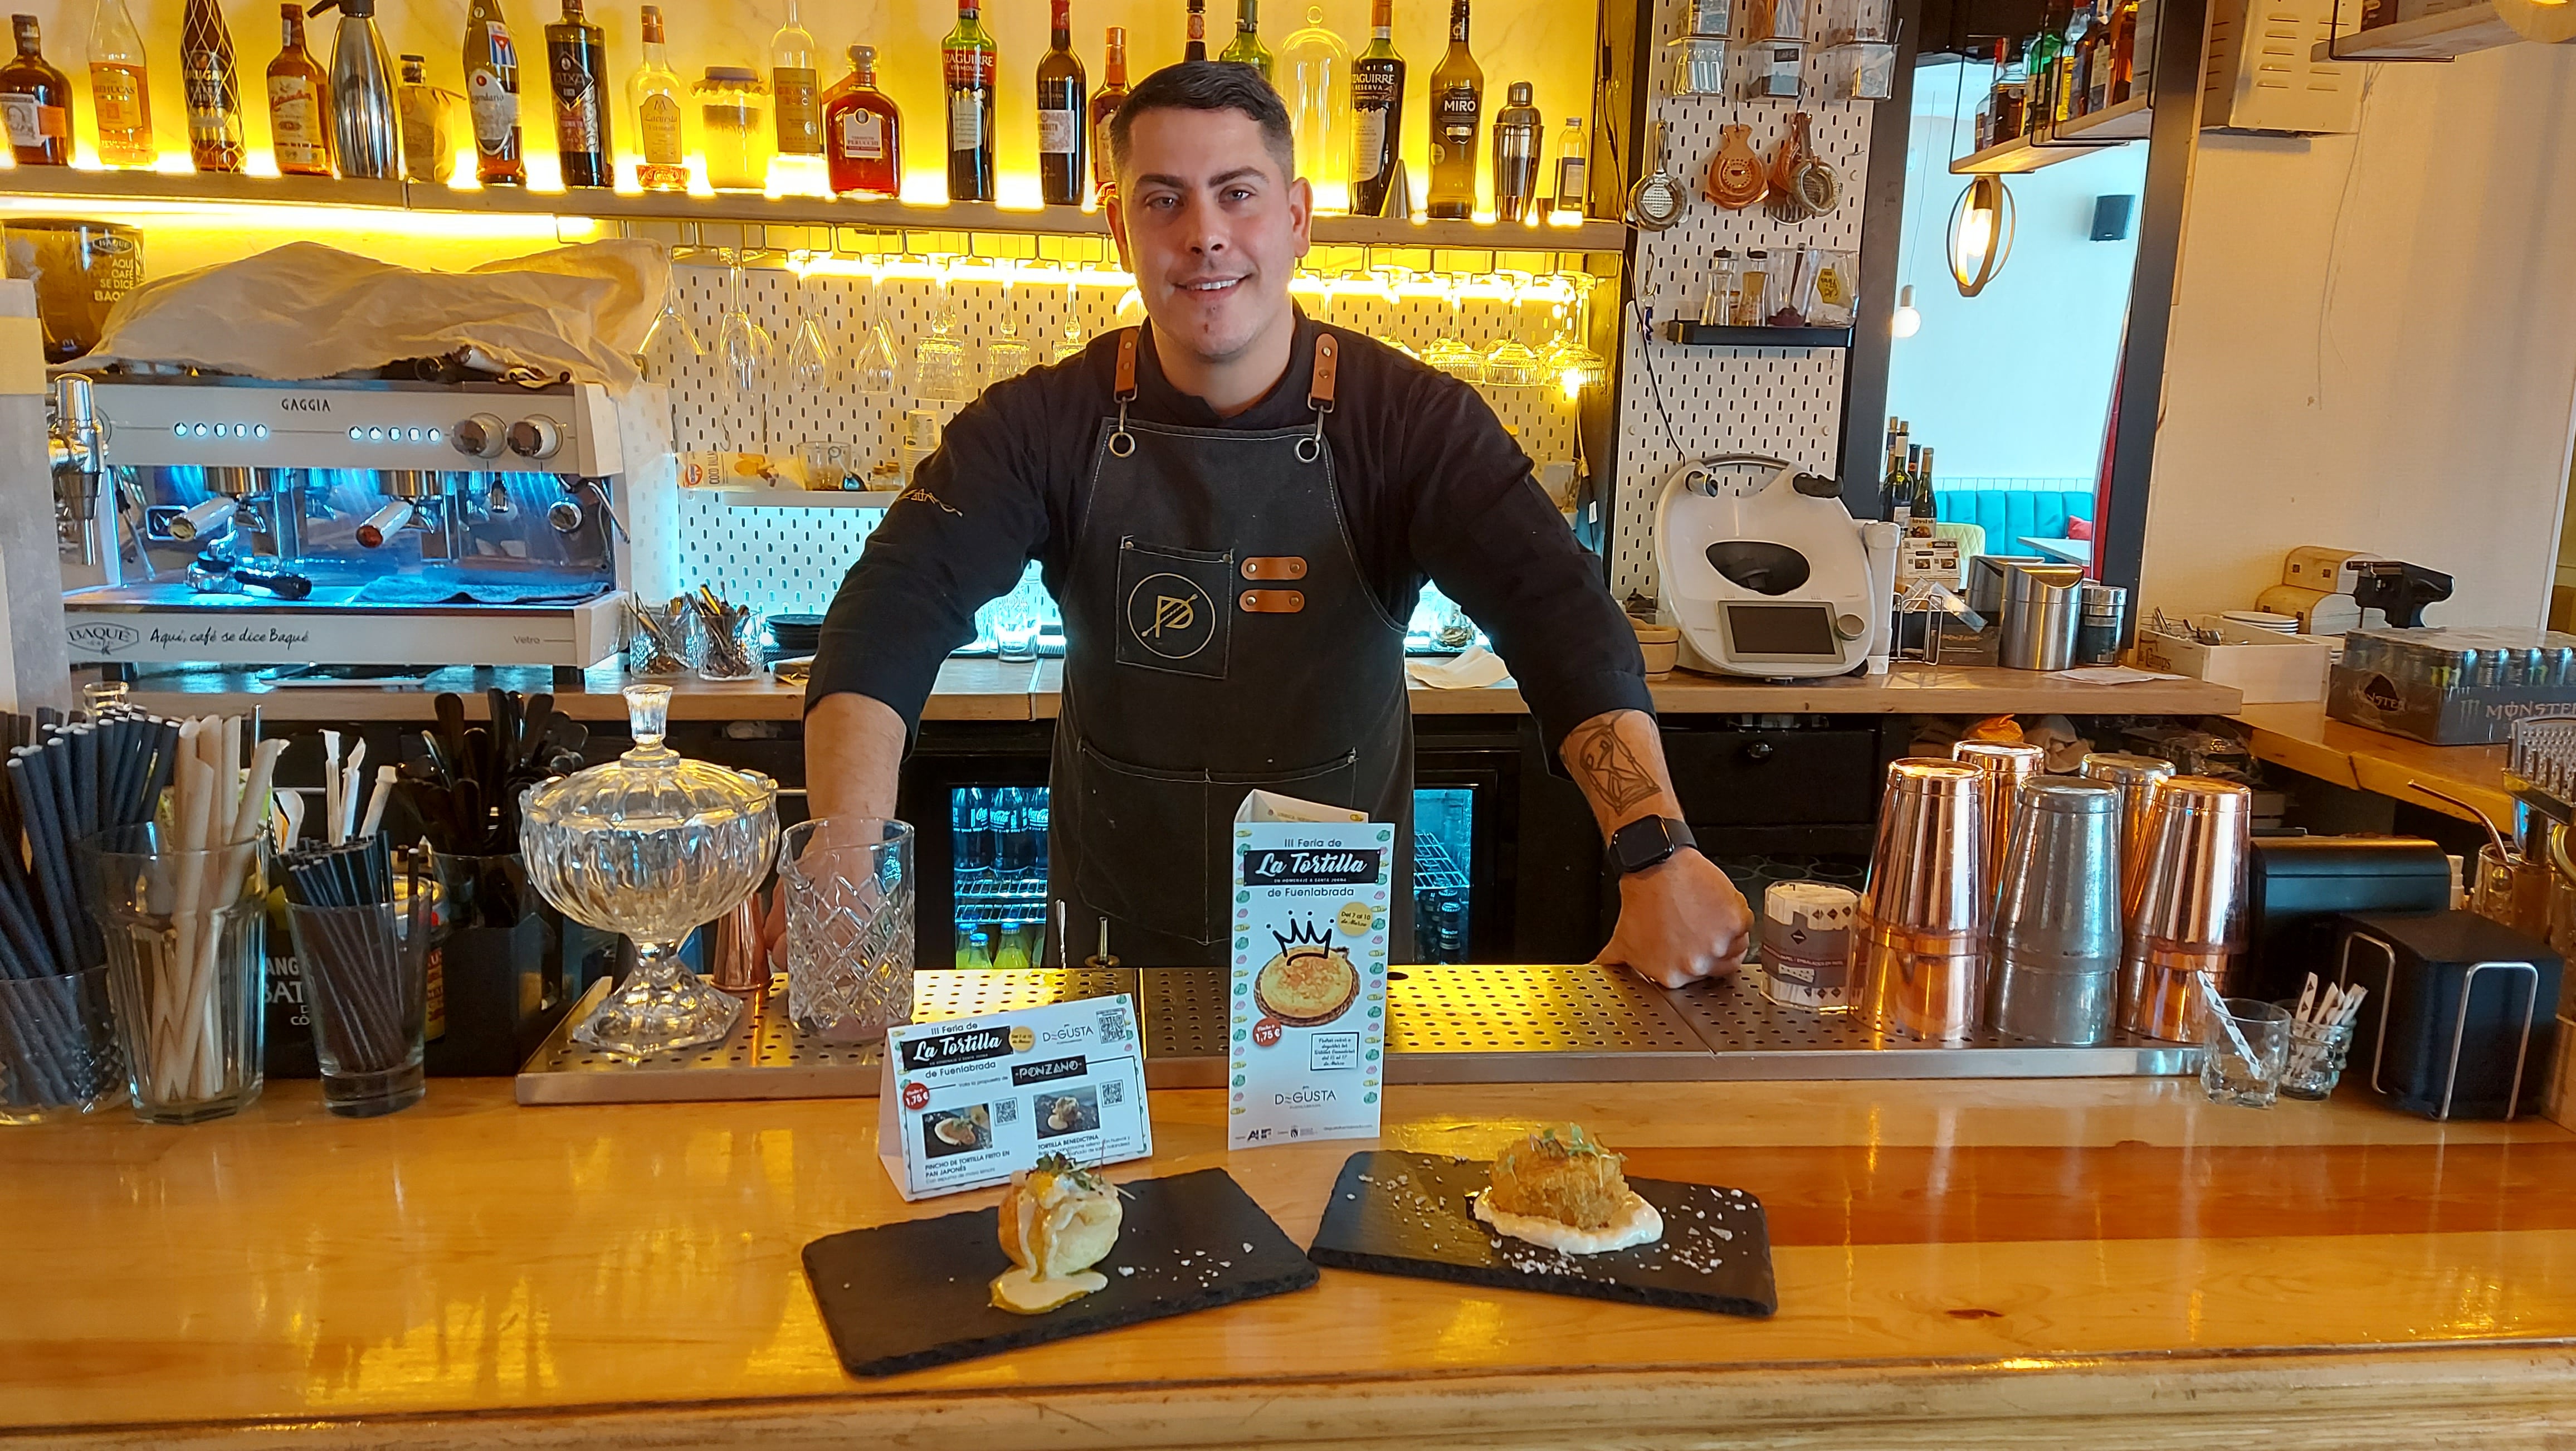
1518, 131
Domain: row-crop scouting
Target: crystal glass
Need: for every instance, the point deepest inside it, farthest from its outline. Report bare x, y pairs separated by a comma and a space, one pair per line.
1390, 285
365, 986
186, 968
665, 638
743, 358
2316, 1058
1451, 353
1073, 339
1017, 619
1568, 360
58, 1056
651, 845
2247, 1046
939, 360
849, 891
670, 344
872, 370
1510, 362
809, 350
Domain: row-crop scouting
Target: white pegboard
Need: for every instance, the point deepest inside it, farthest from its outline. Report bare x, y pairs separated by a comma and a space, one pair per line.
1781, 401
791, 560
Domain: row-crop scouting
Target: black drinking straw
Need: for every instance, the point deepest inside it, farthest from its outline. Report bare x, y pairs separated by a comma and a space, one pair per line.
45, 845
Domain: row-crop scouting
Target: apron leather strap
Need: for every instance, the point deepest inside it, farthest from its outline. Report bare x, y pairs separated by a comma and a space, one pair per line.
1121, 442
1328, 353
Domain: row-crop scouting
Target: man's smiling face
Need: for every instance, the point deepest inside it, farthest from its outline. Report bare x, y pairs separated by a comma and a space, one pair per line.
1212, 226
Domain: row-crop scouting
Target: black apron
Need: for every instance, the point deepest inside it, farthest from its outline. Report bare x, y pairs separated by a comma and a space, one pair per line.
1219, 636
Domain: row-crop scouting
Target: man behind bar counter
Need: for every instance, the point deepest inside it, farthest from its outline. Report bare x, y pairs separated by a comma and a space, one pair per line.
1236, 507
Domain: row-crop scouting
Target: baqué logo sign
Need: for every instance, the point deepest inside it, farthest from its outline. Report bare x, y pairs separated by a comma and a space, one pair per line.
102, 637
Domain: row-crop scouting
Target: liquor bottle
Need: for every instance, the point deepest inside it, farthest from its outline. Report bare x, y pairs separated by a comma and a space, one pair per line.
1062, 121
492, 91
654, 92
862, 132
1246, 47
36, 101
2066, 88
2011, 95
422, 107
2040, 57
792, 88
299, 102
969, 58
577, 68
119, 91
1196, 49
1518, 130
1377, 113
2124, 53
1573, 167
1457, 104
2097, 64
1317, 67
213, 87
1927, 512
1104, 107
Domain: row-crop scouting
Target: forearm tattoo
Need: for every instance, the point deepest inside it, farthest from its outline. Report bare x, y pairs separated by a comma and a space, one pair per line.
1608, 767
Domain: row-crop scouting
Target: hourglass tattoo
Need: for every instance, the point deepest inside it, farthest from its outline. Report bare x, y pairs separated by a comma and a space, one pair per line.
1609, 765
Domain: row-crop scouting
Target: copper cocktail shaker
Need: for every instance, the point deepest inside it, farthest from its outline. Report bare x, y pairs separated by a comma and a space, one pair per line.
1922, 921
2007, 765
2139, 779
2190, 918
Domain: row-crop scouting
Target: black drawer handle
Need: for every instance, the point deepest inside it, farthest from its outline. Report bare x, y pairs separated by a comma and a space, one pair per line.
1758, 752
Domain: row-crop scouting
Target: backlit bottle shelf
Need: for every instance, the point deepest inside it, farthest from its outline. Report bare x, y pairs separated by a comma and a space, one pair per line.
2127, 121
153, 190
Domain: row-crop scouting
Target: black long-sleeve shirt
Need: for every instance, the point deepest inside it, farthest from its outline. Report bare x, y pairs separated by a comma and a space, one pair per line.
1430, 482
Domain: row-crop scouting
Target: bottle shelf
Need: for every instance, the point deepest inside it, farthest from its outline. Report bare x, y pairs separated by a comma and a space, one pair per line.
1710, 335
2127, 121
179, 190
2446, 36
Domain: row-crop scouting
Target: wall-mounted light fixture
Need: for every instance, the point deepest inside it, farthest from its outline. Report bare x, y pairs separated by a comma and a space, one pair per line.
1981, 234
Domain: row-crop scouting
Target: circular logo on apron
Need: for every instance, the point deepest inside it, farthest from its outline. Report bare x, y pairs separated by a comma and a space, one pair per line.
1171, 616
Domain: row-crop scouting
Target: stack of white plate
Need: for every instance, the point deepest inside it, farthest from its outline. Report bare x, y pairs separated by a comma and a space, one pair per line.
2239, 627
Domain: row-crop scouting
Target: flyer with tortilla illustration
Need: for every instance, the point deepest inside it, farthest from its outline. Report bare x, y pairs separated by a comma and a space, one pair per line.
1307, 1039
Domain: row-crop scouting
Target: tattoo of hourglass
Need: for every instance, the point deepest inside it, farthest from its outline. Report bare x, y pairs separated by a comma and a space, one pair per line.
1610, 766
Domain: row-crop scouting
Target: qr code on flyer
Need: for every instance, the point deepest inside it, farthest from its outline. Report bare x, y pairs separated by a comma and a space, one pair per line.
1113, 1092
1113, 1024
1006, 1111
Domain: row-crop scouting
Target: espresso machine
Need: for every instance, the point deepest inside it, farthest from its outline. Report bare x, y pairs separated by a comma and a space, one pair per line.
243, 522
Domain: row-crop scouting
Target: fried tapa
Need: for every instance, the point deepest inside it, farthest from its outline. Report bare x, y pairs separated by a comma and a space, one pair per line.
1560, 1172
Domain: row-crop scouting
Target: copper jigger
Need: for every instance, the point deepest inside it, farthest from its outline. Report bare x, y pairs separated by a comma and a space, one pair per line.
2139, 778
2007, 765
2190, 917
1921, 932
741, 958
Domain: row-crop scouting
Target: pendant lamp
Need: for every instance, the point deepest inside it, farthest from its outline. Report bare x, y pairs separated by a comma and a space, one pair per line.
1905, 322
1981, 234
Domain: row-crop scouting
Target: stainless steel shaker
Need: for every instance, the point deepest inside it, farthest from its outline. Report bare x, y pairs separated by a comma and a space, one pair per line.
1922, 941
2007, 765
2189, 923
2057, 937
1519, 130
2042, 613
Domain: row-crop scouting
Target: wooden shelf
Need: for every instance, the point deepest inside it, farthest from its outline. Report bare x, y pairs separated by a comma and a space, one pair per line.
1710, 335
807, 498
2435, 37
157, 189
2127, 121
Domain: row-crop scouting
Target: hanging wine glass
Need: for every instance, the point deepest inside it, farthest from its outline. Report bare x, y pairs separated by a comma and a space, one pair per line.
1007, 354
1511, 362
939, 361
809, 352
1073, 339
1390, 283
1572, 364
872, 371
1451, 353
670, 344
743, 355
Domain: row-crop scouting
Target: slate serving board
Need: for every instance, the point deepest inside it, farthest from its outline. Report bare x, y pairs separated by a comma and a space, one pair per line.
1408, 1214
917, 1294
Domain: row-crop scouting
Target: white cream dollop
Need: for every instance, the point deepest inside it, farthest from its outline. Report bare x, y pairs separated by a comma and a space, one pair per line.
1636, 1224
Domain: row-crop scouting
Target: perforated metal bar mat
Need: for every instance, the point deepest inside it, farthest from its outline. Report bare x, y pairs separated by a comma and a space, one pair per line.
1478, 1024
766, 1057
1751, 1037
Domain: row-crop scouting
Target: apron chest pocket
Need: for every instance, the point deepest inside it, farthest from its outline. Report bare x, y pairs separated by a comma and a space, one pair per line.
1175, 608
1148, 840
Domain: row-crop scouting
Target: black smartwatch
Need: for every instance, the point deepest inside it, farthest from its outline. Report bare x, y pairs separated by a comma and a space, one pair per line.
1648, 841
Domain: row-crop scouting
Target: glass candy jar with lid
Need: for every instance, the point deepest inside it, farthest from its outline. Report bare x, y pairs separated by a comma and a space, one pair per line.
651, 845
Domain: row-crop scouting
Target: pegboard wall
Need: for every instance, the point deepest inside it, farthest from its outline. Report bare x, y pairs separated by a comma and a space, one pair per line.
793, 559
1687, 402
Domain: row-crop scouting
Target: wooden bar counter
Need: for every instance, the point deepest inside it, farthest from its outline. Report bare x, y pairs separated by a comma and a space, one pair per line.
973, 689
2095, 1263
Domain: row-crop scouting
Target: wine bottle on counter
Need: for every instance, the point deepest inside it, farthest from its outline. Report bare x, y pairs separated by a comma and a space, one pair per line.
1377, 113
1927, 511
1104, 108
1246, 47
577, 67
1196, 48
863, 132
36, 101
970, 59
654, 92
299, 102
492, 93
1457, 109
793, 86
213, 88
120, 90
1061, 118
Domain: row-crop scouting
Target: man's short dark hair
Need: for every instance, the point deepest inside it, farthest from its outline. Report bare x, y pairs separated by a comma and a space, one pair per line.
1208, 85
